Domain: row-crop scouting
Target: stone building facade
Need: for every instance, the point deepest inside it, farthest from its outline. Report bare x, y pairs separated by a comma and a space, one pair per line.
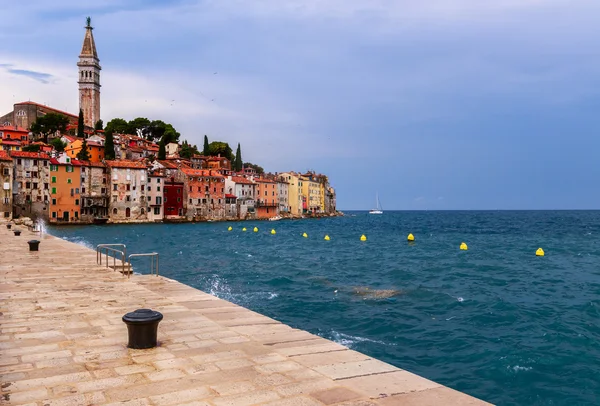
127, 189
89, 78
94, 192
25, 113
204, 193
31, 184
155, 191
283, 194
245, 191
6, 180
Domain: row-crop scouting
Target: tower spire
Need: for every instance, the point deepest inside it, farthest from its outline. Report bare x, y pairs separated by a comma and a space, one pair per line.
89, 77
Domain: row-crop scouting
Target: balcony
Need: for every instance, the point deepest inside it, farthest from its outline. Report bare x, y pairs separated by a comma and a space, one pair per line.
263, 203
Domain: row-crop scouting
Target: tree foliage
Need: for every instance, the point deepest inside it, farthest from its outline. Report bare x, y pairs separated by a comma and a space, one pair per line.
116, 126
49, 124
162, 151
238, 163
80, 127
206, 149
83, 154
109, 145
259, 170
32, 148
220, 148
58, 144
188, 150
99, 125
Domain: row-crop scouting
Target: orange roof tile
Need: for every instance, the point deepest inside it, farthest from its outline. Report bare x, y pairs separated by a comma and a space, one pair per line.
123, 163
241, 180
24, 154
95, 164
4, 156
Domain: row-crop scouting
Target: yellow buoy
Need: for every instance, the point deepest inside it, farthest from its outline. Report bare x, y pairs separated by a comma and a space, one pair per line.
363, 237
273, 231
539, 252
230, 228
410, 237
256, 229
244, 229
305, 235
326, 238
463, 246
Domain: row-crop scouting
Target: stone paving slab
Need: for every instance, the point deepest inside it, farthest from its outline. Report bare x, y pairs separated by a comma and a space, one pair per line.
62, 342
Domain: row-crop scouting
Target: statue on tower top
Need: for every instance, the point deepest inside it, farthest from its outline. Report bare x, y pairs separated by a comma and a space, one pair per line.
88, 21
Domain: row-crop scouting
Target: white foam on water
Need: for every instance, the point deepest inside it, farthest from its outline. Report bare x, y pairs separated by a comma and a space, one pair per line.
518, 368
460, 299
348, 340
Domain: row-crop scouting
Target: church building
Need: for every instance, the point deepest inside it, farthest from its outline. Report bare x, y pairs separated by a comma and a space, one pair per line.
25, 113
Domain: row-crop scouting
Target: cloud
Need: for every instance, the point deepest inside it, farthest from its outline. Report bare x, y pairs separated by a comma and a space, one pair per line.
37, 76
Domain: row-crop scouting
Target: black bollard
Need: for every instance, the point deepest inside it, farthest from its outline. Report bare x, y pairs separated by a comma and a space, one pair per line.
9, 226
33, 245
17, 232
142, 326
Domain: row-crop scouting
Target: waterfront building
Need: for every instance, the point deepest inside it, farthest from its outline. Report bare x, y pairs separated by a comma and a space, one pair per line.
205, 193
6, 180
94, 192
267, 201
245, 192
330, 200
94, 148
31, 186
173, 202
311, 194
294, 192
89, 78
155, 191
283, 194
128, 182
65, 181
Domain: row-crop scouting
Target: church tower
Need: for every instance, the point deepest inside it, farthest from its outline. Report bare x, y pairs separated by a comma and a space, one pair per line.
89, 78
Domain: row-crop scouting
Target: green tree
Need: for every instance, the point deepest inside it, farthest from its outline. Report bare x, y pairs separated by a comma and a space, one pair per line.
259, 170
220, 148
31, 148
58, 144
49, 124
83, 154
238, 164
162, 152
80, 126
206, 149
188, 150
116, 126
171, 135
138, 126
98, 125
109, 146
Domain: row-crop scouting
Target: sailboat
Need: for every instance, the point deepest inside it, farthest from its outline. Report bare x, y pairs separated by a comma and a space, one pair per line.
378, 209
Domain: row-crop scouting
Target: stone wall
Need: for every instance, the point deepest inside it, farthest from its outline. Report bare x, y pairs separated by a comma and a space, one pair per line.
128, 202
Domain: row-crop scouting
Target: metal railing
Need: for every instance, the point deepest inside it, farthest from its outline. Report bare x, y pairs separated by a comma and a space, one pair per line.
108, 248
100, 247
153, 262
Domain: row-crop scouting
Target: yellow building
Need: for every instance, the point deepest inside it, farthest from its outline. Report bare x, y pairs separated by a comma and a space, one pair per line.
311, 194
294, 192
95, 150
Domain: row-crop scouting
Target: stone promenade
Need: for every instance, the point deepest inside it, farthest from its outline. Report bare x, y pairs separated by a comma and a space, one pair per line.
62, 342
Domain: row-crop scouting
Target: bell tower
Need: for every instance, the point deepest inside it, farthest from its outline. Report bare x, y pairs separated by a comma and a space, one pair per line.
89, 78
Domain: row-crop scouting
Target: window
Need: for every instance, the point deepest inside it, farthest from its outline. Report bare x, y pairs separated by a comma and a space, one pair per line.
157, 211
190, 188
76, 190
114, 187
158, 188
69, 180
27, 185
34, 174
215, 189
127, 198
149, 188
76, 214
178, 199
53, 201
115, 210
103, 191
76, 202
35, 185
53, 168
53, 214
5, 171
82, 190
191, 201
157, 180
219, 201
53, 190
128, 187
142, 211
222, 190
53, 179
114, 199
45, 163
35, 162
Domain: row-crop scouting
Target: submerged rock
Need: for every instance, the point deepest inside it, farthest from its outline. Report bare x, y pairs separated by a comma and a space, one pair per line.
368, 293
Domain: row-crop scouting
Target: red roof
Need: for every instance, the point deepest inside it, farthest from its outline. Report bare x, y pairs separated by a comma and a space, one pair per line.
70, 138
167, 164
10, 142
49, 108
122, 163
13, 128
4, 156
74, 162
90, 163
231, 196
200, 172
242, 180
24, 154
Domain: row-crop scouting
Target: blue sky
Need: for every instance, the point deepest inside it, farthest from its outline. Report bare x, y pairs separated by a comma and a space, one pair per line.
449, 104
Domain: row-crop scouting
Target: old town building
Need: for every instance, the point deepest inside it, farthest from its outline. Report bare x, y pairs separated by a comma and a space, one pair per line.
204, 193
6, 180
65, 176
155, 191
127, 189
267, 200
173, 202
94, 192
31, 184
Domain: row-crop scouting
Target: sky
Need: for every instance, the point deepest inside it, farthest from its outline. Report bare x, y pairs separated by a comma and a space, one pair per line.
443, 104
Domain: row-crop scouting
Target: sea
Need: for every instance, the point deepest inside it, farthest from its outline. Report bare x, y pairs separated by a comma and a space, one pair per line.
494, 321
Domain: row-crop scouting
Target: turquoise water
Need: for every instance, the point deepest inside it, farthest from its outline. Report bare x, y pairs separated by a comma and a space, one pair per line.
495, 321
